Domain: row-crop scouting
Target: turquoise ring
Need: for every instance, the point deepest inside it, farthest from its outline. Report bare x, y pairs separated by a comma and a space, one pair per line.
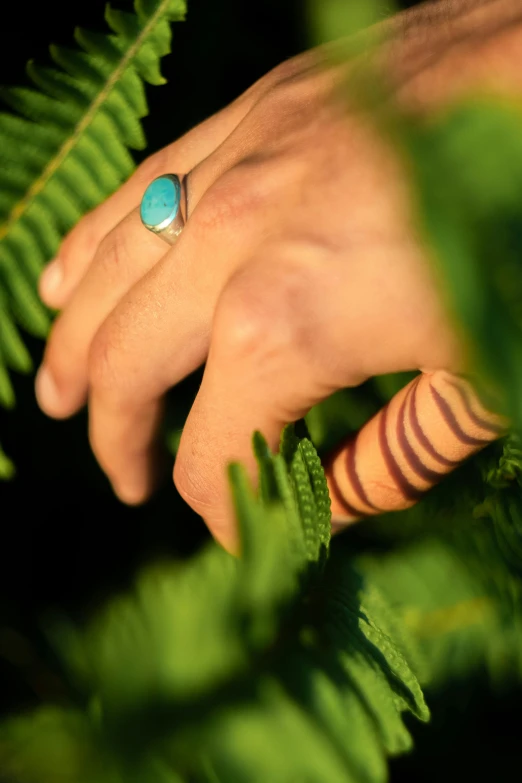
161, 207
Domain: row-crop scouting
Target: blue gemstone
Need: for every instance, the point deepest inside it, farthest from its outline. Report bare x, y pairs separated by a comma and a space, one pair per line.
160, 202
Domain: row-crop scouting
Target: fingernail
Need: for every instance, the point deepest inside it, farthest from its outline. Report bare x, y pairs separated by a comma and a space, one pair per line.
50, 280
47, 395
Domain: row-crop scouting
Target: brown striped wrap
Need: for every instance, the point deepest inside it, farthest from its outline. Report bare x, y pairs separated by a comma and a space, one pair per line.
424, 432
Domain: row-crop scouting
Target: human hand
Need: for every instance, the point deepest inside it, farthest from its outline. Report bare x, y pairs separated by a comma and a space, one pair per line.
298, 273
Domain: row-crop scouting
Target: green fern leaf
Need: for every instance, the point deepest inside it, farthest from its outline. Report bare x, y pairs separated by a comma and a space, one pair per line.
404, 682
12, 348
276, 485
320, 491
268, 489
309, 491
48, 740
501, 469
65, 150
368, 681
262, 668
273, 561
355, 619
281, 737
317, 681
471, 622
7, 395
7, 468
306, 504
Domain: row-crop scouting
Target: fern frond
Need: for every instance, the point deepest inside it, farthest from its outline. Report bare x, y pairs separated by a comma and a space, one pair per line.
463, 607
7, 469
65, 149
263, 668
501, 469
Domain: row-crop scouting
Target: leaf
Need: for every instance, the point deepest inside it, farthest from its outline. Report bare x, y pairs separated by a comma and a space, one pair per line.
259, 668
331, 20
316, 680
272, 738
13, 349
310, 491
174, 637
7, 468
33, 748
268, 580
471, 622
466, 167
7, 397
65, 150
354, 617
320, 491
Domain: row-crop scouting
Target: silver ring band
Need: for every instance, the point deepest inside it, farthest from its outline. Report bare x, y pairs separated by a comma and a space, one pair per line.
163, 206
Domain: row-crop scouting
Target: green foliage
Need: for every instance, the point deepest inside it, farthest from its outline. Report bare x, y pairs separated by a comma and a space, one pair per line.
455, 595
458, 587
281, 665
298, 661
474, 229
64, 150
7, 469
502, 502
331, 20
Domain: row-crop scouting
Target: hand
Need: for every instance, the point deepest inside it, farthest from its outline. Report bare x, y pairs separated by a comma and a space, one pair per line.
298, 273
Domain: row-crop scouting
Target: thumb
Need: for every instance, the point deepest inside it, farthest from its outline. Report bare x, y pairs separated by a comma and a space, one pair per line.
423, 433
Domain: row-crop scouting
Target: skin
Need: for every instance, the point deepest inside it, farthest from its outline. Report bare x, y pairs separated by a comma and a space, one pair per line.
298, 272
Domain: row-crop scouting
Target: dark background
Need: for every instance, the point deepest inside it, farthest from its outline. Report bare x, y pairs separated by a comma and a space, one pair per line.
65, 540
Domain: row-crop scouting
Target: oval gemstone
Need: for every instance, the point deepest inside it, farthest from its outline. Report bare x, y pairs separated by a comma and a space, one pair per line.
160, 202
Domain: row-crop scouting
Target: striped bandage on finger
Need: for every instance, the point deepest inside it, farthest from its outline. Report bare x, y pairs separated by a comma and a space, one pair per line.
424, 432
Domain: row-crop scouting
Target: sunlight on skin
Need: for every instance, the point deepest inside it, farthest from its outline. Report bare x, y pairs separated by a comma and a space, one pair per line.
427, 430
300, 241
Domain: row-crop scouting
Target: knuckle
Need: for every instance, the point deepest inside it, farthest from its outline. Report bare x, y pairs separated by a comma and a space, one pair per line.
153, 166
267, 320
236, 195
289, 104
286, 70
192, 487
298, 106
293, 68
242, 323
112, 256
